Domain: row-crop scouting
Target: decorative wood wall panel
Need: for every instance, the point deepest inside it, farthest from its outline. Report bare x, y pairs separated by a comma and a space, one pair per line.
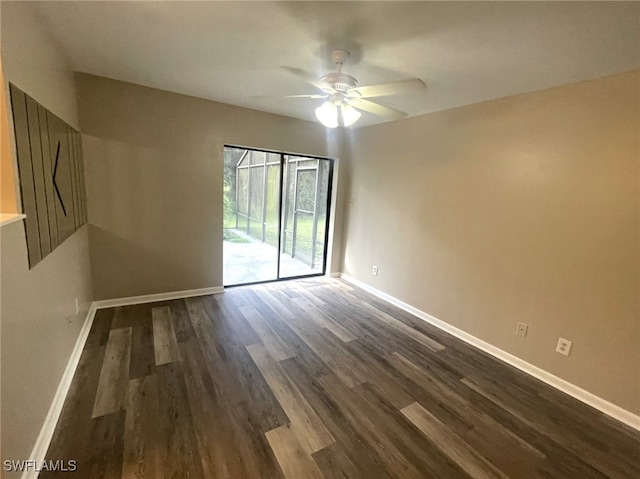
51, 174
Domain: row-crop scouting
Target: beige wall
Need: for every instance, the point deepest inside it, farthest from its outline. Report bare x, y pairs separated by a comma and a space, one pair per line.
520, 209
38, 321
154, 164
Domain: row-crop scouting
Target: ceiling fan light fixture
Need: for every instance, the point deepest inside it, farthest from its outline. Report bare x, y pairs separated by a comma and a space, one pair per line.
327, 114
349, 115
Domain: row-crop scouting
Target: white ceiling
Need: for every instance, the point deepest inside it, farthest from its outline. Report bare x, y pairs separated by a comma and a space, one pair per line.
466, 52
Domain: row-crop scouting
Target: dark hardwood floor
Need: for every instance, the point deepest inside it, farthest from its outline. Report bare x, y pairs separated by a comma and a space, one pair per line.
315, 379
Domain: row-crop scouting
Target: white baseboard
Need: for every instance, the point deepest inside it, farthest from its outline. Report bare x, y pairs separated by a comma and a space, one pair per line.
336, 275
152, 298
49, 426
586, 397
41, 446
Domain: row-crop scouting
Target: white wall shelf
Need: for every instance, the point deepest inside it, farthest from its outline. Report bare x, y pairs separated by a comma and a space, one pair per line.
8, 218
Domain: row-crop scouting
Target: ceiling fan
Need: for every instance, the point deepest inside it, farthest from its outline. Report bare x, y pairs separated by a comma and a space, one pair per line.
344, 97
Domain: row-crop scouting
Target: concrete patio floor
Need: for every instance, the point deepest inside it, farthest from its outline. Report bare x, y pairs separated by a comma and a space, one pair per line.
256, 261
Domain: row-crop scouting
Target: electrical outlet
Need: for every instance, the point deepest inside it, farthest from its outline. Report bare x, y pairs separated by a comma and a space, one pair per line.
351, 201
77, 305
564, 346
374, 271
522, 329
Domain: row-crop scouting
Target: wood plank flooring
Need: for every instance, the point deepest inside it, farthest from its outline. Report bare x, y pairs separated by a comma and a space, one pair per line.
315, 379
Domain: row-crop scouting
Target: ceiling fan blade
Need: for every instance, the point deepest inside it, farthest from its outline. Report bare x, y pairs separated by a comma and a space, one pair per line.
376, 108
303, 75
291, 96
306, 96
392, 88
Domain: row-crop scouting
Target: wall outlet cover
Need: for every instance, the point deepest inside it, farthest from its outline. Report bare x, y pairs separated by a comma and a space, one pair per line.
564, 346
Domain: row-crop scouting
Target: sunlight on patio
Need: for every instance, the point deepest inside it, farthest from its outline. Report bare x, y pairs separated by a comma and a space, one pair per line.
253, 261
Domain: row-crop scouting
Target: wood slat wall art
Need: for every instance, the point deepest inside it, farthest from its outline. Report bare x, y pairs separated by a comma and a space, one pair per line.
51, 171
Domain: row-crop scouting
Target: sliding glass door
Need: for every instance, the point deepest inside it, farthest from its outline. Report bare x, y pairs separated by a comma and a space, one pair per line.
304, 217
276, 209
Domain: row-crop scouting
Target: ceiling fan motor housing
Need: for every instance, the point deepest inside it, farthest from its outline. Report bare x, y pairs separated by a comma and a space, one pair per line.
339, 82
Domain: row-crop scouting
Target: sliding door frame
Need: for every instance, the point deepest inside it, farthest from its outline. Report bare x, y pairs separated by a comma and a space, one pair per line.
329, 217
